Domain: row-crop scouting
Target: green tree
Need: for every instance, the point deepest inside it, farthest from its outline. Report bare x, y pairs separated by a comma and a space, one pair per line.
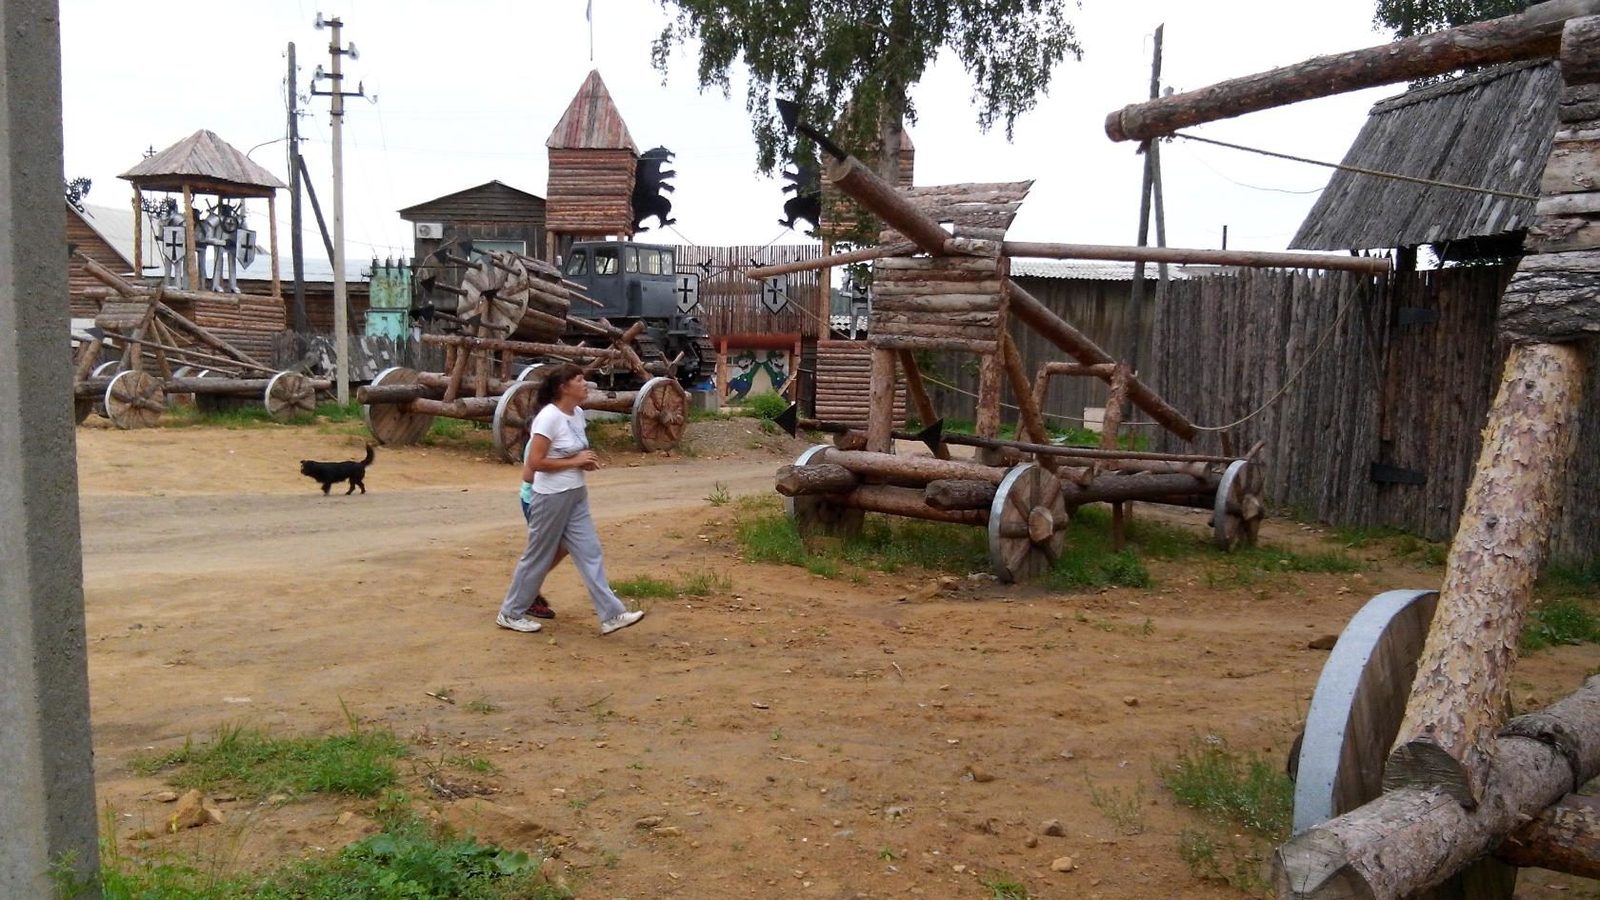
850, 64
1408, 18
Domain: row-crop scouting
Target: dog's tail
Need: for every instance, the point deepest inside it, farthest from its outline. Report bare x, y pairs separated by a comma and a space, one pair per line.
371, 452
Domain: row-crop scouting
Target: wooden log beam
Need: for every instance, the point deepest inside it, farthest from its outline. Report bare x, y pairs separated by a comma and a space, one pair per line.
919, 396
857, 180
1032, 420
1103, 371
898, 248
1411, 839
1257, 259
1532, 34
187, 353
531, 347
1564, 838
173, 317
957, 493
458, 408
880, 401
907, 502
823, 478
1118, 487
916, 469
1057, 331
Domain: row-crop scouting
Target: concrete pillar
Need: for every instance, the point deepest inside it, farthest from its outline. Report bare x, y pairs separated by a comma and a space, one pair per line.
46, 759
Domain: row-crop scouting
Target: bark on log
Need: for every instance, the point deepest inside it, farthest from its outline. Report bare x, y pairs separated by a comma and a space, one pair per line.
854, 178
919, 396
1414, 838
914, 342
1118, 487
1247, 258
953, 493
913, 469
1074, 342
900, 248
459, 408
1533, 34
1464, 676
1564, 838
880, 402
907, 502
1032, 421
822, 478
171, 316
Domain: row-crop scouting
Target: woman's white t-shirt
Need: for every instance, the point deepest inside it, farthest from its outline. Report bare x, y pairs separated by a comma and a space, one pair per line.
567, 436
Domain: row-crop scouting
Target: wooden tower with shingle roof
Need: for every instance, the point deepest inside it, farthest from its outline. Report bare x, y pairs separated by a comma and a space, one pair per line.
592, 162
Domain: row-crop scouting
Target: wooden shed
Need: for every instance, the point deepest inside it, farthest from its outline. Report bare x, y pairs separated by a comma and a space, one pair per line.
493, 215
592, 166
104, 235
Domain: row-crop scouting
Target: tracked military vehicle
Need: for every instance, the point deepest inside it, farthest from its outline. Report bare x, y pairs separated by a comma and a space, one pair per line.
635, 282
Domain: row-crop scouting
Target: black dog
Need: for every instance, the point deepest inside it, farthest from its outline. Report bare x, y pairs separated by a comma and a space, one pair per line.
330, 473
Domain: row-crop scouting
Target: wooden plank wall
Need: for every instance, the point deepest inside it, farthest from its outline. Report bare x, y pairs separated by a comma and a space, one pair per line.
731, 303
1099, 308
844, 370
1414, 396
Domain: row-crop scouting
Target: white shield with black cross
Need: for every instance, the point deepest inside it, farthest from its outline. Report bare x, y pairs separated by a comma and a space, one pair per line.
244, 247
687, 292
775, 293
172, 243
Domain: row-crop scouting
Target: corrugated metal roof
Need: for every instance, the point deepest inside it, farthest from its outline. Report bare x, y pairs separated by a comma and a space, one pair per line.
592, 121
1491, 129
203, 157
115, 227
1095, 270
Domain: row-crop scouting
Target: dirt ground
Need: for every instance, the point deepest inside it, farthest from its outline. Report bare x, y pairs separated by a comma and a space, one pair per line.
798, 736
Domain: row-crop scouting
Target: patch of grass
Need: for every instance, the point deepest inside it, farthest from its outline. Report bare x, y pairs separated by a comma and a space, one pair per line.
1002, 887
692, 584
884, 543
1561, 581
482, 707
475, 764
765, 406
1565, 621
252, 762
1245, 789
1214, 855
719, 495
1124, 809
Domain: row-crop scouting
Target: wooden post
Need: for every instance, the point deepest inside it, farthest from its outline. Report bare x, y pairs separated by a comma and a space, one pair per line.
272, 232
880, 402
1565, 838
138, 233
919, 395
191, 264
722, 371
1032, 421
1533, 34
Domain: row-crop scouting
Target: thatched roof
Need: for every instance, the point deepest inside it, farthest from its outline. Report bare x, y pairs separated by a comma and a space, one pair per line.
204, 163
592, 122
1491, 129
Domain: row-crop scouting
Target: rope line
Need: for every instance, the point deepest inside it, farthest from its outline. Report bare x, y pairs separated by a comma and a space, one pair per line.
1359, 170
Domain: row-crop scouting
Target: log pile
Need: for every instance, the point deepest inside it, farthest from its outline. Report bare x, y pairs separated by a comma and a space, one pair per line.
843, 372
938, 303
590, 191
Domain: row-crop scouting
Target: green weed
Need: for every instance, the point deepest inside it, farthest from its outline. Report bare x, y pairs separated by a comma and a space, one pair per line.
1214, 855
1124, 809
1001, 887
691, 584
482, 707
1555, 622
253, 762
719, 495
765, 406
1245, 789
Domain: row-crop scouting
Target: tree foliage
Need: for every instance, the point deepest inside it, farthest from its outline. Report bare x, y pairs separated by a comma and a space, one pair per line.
851, 63
1408, 18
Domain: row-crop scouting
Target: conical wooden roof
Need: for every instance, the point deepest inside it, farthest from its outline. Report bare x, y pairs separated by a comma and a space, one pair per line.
206, 163
592, 122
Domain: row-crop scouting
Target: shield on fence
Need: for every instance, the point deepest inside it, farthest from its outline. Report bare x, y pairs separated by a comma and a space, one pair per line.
775, 294
172, 243
244, 247
687, 292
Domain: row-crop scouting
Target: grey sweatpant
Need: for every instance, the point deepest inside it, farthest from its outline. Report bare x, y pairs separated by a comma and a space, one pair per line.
553, 520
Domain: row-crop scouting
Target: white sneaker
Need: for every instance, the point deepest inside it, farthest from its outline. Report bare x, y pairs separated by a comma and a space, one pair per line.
520, 624
616, 623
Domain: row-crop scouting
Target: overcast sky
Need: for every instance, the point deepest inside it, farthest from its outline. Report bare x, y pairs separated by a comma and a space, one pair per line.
468, 91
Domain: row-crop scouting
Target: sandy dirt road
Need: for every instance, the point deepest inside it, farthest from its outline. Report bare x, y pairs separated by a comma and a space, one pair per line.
870, 735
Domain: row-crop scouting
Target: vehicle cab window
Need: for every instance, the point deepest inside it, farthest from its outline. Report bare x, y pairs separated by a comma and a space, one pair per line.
630, 260
605, 261
578, 263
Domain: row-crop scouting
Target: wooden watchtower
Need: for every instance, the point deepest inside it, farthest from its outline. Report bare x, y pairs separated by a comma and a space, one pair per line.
592, 165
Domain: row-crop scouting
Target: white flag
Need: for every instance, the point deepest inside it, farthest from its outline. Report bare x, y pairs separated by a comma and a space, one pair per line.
588, 12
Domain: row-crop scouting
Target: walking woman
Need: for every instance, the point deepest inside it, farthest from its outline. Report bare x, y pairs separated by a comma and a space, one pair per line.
558, 509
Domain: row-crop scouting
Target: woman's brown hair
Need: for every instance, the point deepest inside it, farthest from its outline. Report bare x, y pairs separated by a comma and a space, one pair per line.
554, 378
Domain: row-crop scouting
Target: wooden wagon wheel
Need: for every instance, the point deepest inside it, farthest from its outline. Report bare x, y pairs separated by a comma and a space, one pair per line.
391, 423
135, 400
813, 514
513, 416
290, 394
1237, 511
1353, 720
1026, 520
533, 373
105, 369
660, 411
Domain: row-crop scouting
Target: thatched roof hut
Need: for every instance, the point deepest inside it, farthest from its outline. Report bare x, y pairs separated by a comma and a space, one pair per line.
205, 164
1491, 129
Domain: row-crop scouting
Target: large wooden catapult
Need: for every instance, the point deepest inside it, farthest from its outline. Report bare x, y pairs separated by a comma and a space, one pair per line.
508, 304
1411, 782
951, 291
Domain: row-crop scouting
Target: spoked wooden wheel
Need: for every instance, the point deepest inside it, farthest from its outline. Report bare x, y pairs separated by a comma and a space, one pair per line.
660, 411
290, 394
813, 514
513, 416
1237, 512
488, 299
390, 423
1354, 717
1026, 519
135, 400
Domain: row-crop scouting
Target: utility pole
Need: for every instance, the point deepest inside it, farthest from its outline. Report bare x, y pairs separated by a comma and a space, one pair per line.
341, 327
296, 243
